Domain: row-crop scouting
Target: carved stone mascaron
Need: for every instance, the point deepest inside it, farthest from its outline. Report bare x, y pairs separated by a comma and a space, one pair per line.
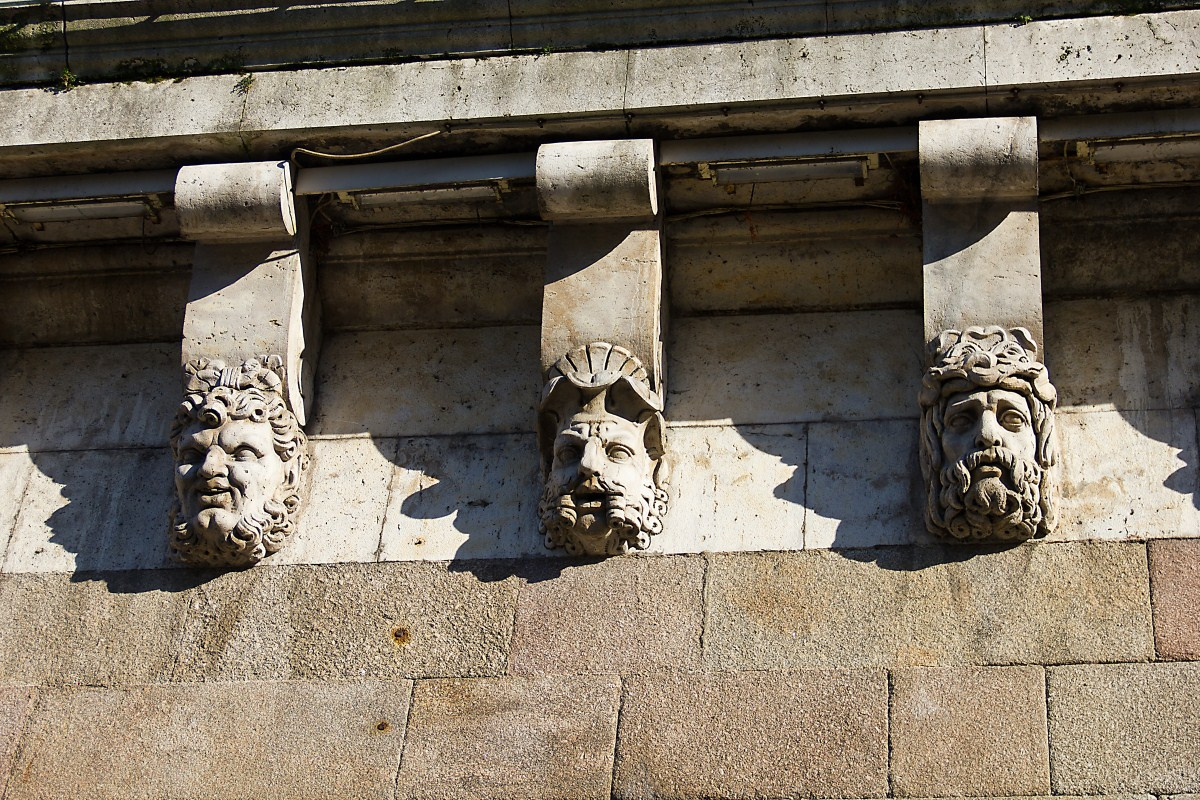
601, 433
240, 457
988, 446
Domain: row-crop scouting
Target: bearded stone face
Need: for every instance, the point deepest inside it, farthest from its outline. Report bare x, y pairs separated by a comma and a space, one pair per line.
233, 492
600, 497
991, 482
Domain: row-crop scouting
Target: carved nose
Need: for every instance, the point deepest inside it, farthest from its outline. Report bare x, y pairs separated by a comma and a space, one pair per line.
592, 460
989, 431
213, 463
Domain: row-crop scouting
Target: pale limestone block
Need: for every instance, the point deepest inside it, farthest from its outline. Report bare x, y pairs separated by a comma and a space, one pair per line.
440, 278
93, 510
735, 488
725, 264
205, 107
432, 382
604, 283
535, 738
1125, 727
792, 367
342, 516
1077, 50
67, 398
465, 497
221, 741
236, 202
969, 732
90, 628
724, 74
1129, 475
928, 606
980, 224
753, 734
1128, 353
861, 485
652, 611
15, 469
427, 93
595, 180
993, 158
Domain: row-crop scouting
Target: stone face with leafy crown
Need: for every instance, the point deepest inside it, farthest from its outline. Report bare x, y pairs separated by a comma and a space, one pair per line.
240, 457
988, 447
601, 433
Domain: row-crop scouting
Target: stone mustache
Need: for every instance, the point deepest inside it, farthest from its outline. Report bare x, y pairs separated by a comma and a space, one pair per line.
602, 438
240, 457
988, 446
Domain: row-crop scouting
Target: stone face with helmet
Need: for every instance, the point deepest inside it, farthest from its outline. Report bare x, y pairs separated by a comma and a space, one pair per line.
601, 433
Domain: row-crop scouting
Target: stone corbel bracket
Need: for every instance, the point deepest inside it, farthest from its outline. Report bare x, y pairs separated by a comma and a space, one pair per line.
253, 288
988, 446
250, 342
601, 430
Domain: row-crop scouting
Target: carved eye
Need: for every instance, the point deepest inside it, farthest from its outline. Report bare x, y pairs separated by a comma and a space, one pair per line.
568, 453
191, 455
619, 452
960, 422
1013, 420
246, 453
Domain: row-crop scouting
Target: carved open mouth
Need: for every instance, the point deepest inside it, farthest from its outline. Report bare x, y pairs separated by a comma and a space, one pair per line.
590, 500
217, 495
988, 471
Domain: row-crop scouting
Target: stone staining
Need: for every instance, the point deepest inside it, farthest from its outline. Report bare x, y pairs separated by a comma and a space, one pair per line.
988, 448
601, 433
240, 457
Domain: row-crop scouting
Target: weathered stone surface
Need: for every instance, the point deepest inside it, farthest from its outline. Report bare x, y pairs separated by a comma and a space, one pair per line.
93, 510
1175, 595
344, 622
810, 67
1139, 45
753, 734
1128, 475
861, 482
342, 518
1129, 353
468, 497
89, 397
786, 260
435, 382
15, 469
792, 367
511, 737
14, 702
90, 628
216, 740
928, 606
439, 278
594, 180
1125, 727
623, 615
969, 732
735, 489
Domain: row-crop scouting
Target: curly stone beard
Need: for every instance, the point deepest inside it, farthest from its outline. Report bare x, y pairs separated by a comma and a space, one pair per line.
256, 535
631, 517
1005, 507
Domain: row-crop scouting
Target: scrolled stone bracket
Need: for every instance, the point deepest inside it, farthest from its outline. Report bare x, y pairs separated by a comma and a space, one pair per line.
600, 423
250, 344
253, 283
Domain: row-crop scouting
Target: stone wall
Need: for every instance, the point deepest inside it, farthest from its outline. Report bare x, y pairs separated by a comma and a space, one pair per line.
416, 640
